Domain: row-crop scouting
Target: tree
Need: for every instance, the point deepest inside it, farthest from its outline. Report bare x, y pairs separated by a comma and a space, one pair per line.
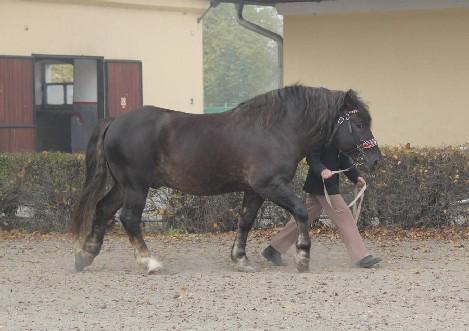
238, 63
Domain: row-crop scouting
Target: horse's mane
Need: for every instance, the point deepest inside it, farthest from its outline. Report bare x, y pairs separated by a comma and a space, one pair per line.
317, 107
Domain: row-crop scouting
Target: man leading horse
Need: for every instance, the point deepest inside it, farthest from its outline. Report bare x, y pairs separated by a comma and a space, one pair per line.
254, 148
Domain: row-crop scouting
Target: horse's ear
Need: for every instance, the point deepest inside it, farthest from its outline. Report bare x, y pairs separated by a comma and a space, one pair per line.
350, 98
340, 105
350, 95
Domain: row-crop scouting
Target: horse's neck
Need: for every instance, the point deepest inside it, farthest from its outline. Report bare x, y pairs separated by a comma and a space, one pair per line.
303, 136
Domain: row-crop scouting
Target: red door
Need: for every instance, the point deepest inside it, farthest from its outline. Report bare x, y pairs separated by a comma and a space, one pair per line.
123, 86
16, 104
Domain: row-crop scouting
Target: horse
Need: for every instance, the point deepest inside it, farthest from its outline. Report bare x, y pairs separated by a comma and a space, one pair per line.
254, 148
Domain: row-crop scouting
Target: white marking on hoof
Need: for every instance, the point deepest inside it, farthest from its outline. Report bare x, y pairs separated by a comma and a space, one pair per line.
150, 263
154, 265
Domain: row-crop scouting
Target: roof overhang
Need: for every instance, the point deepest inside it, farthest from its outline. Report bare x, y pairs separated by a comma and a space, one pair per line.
356, 6
263, 2
196, 6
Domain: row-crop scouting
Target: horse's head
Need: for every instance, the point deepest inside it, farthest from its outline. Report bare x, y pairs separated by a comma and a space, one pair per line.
352, 130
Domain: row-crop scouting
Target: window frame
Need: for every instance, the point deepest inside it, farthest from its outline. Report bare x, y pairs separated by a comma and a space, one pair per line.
45, 85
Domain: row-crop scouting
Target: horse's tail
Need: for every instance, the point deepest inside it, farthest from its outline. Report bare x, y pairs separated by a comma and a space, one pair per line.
95, 183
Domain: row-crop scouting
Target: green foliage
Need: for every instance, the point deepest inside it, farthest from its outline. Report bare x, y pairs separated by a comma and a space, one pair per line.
417, 187
61, 73
238, 64
48, 182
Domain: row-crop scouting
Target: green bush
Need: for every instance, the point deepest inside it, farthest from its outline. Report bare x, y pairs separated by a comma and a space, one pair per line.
413, 187
49, 183
418, 187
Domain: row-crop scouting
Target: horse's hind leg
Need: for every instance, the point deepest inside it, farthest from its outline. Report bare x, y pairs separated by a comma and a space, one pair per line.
131, 217
251, 204
105, 209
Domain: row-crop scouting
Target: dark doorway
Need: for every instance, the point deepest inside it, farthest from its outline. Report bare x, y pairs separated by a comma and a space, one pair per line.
54, 84
69, 100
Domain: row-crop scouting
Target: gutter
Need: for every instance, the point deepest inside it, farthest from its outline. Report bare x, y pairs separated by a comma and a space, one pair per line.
266, 33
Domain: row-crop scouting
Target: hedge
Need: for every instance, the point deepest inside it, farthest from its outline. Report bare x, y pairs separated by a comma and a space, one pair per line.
418, 188
413, 187
46, 183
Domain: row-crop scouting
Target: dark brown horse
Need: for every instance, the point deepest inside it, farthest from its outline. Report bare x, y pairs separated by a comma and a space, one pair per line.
254, 148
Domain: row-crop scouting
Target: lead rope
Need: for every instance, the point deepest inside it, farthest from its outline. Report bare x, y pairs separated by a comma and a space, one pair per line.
360, 195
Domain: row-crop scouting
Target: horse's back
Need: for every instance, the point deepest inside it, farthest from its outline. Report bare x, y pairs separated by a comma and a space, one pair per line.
170, 148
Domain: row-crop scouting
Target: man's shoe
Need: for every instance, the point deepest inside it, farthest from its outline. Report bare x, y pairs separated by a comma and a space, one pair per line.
272, 255
368, 261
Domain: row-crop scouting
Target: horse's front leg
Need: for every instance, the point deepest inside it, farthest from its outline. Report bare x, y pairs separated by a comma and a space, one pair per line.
251, 204
283, 196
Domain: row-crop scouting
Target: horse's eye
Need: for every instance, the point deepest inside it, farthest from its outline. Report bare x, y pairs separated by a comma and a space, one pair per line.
360, 125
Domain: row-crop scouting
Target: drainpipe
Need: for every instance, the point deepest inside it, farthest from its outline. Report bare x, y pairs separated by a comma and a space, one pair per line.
266, 33
213, 4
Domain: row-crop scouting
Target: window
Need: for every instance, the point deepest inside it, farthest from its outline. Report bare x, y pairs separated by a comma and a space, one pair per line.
58, 84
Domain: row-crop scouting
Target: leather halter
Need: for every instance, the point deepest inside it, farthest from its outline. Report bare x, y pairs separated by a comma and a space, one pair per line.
368, 144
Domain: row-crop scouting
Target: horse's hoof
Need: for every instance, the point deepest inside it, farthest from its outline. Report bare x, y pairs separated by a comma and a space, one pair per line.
152, 265
82, 260
245, 266
302, 266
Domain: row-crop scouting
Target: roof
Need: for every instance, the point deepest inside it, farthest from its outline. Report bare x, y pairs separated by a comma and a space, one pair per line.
356, 6
305, 7
263, 2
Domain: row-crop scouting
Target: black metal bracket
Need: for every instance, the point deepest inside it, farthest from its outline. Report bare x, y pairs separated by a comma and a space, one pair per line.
213, 4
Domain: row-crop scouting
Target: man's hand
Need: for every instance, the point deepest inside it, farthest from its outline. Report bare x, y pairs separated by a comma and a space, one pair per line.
326, 174
360, 182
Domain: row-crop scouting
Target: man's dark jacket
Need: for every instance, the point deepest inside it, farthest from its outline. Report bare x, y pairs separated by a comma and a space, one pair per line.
328, 158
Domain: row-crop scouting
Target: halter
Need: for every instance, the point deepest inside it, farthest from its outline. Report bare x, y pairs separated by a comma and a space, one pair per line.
367, 144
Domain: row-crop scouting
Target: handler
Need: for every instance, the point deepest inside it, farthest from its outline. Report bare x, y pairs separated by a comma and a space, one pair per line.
321, 164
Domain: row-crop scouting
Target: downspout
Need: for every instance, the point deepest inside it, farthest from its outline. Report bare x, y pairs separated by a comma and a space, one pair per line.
213, 4
266, 33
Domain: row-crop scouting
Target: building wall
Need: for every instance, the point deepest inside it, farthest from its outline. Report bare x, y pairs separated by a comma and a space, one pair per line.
164, 35
411, 67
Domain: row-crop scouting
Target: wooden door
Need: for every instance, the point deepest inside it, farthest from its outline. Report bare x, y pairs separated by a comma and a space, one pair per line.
16, 104
123, 87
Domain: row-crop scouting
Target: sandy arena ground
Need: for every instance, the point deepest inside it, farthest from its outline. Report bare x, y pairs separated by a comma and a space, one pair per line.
422, 285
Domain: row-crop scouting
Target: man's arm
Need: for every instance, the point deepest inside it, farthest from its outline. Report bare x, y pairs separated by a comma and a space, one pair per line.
314, 162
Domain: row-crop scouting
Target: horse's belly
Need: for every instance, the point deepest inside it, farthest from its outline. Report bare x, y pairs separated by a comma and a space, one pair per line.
205, 181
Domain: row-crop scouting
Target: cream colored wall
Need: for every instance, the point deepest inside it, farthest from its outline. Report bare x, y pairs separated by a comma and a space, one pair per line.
168, 42
411, 67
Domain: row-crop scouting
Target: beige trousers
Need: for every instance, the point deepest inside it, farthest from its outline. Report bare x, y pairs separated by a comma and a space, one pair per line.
340, 215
